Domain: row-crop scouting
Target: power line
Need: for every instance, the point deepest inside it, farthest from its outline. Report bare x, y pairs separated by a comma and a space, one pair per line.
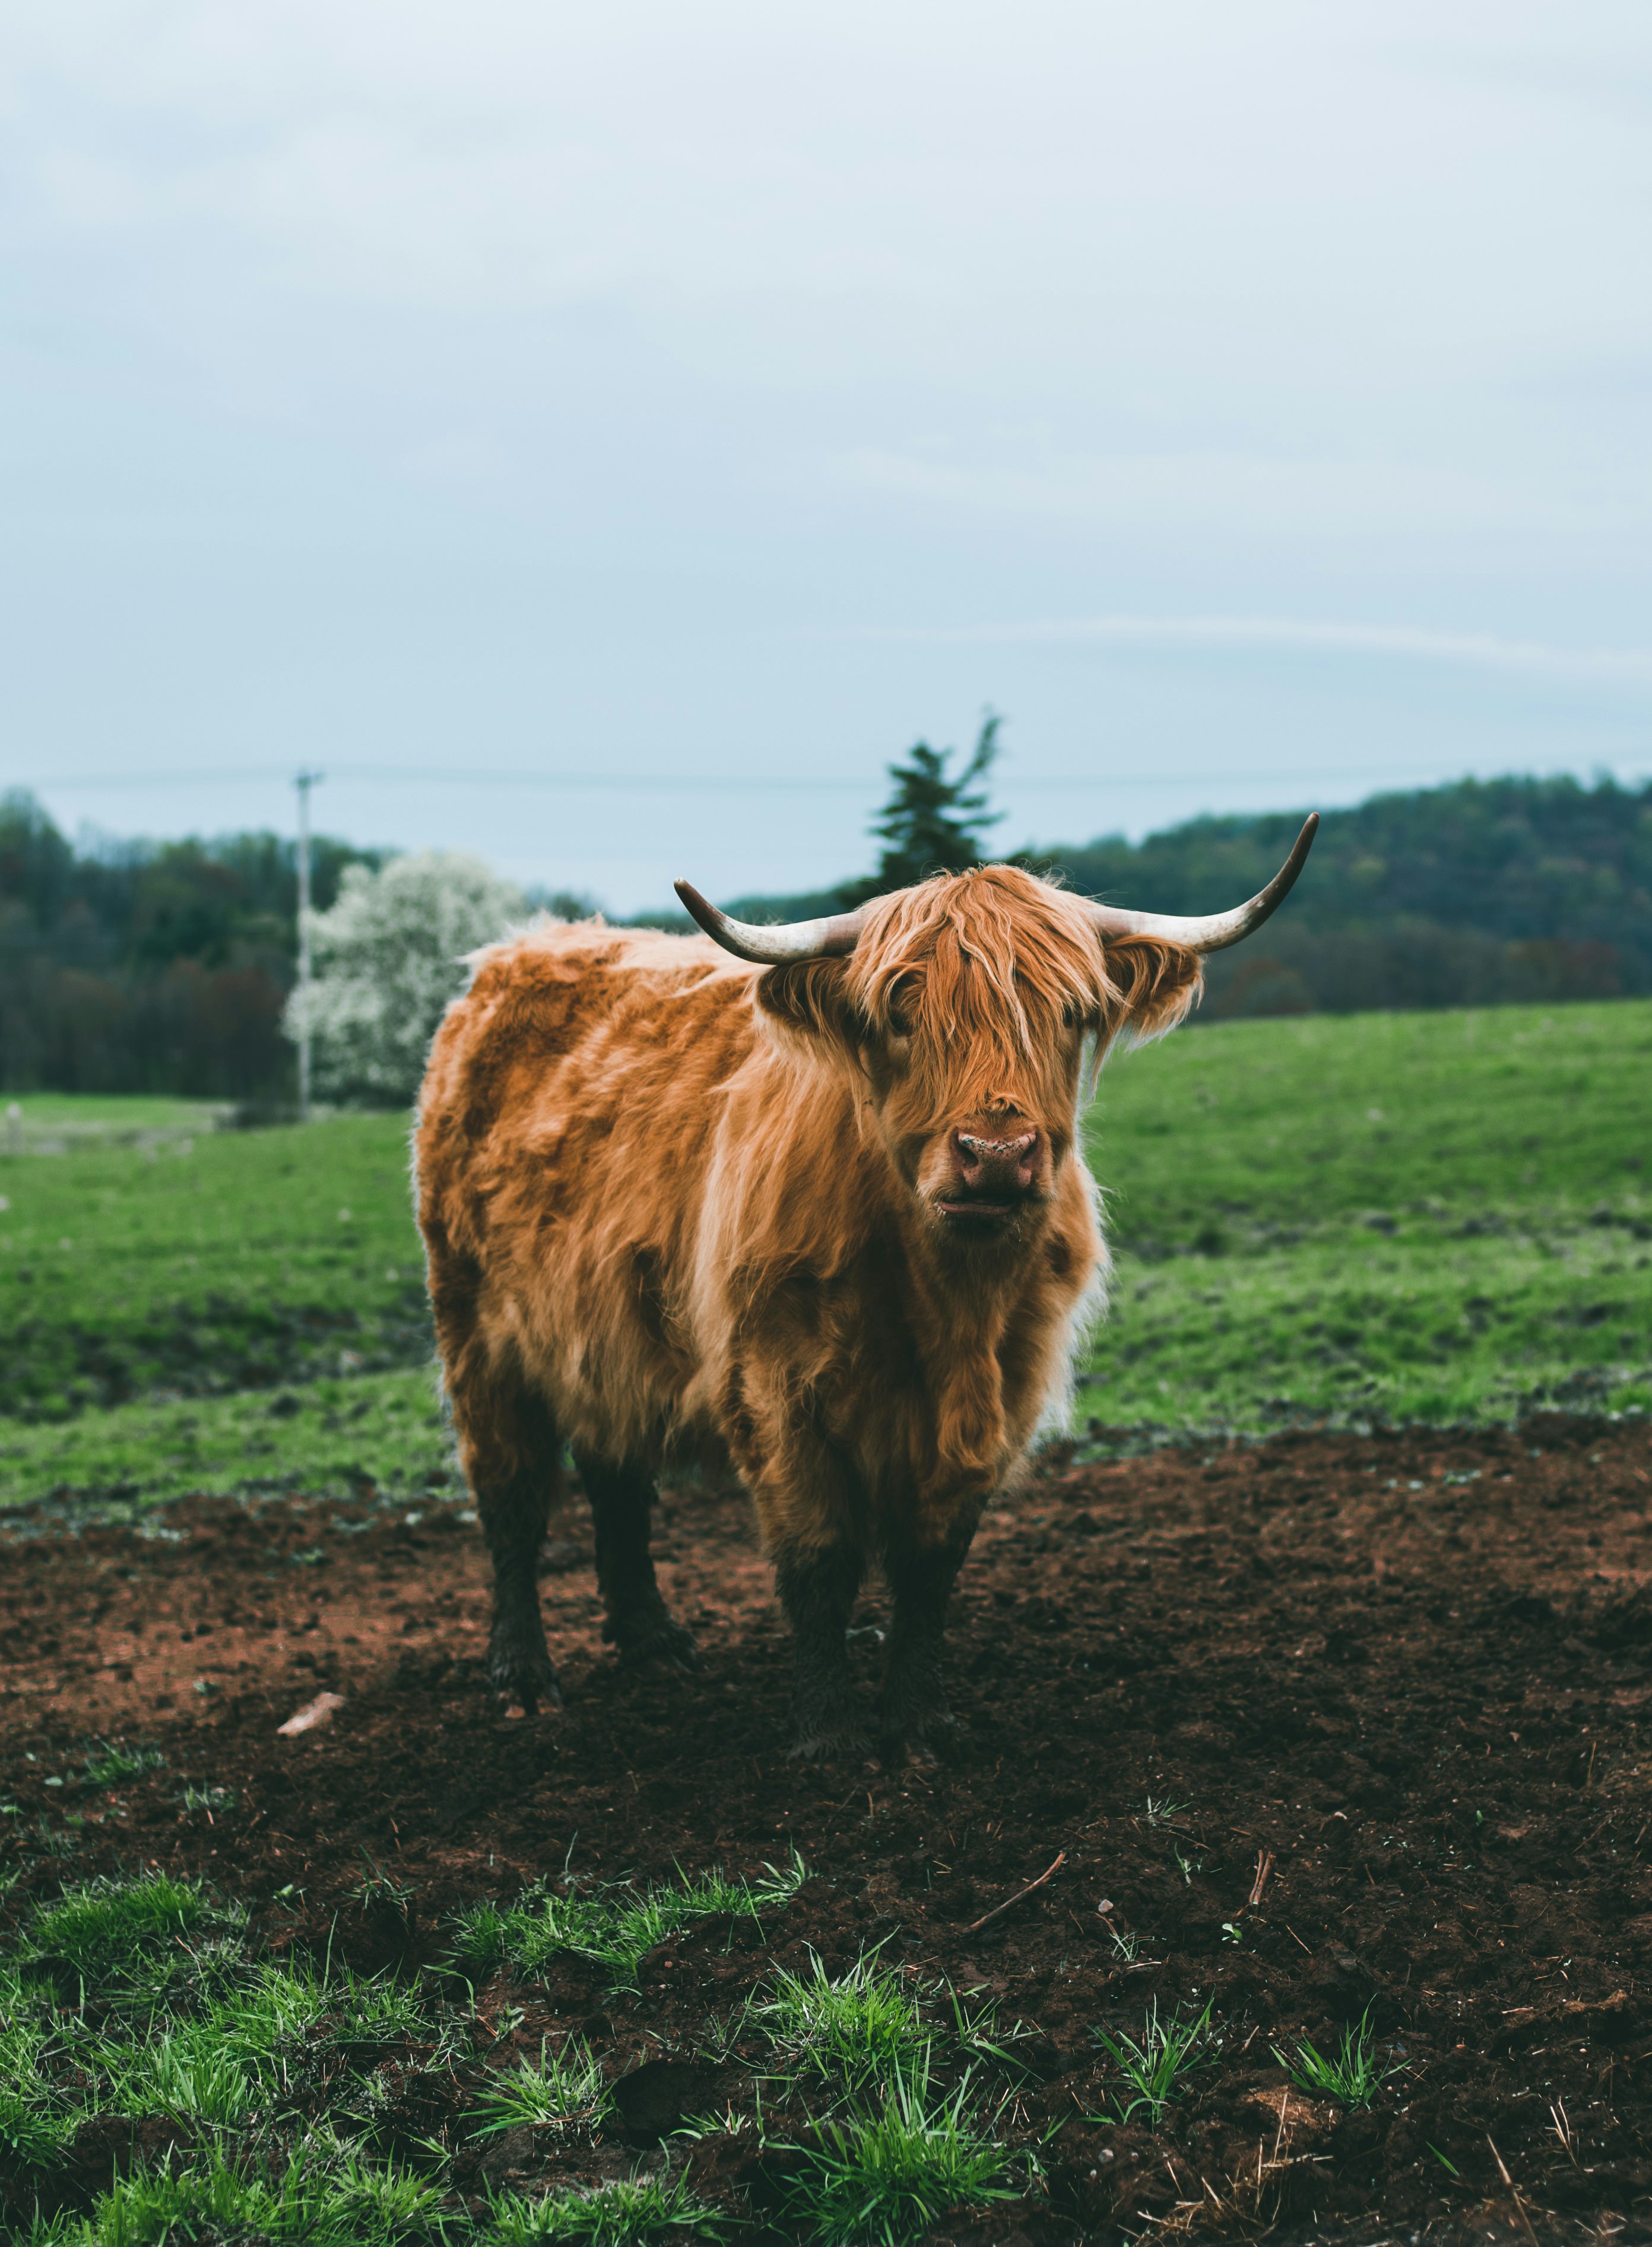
443, 775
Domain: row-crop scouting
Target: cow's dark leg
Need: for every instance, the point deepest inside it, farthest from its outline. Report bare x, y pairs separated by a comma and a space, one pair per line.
817, 1590
637, 1621
510, 1452
913, 1709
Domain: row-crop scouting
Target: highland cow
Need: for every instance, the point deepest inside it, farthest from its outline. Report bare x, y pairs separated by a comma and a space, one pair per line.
819, 1209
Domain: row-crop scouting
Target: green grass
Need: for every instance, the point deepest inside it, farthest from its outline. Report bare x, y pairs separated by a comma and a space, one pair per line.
627, 2213
614, 1927
880, 2104
326, 1438
1155, 2067
107, 1926
848, 2030
881, 2173
280, 2074
1351, 2075
206, 1263
1410, 1216
566, 2085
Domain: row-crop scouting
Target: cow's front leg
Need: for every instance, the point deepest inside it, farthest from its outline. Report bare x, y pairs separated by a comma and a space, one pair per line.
636, 1620
817, 1590
913, 1710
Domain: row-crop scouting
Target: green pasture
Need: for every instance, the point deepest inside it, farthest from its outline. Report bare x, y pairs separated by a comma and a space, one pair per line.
1423, 1216
1426, 1216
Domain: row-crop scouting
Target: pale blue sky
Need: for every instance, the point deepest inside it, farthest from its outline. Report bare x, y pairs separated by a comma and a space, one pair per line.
1251, 402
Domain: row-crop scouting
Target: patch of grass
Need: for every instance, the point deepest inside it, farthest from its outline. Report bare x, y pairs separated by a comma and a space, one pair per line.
105, 1926
326, 2196
627, 2213
111, 1761
859, 2027
614, 1927
285, 2076
883, 2173
329, 1438
1155, 2066
204, 1262
1351, 2076
207, 1798
564, 2087
1416, 1216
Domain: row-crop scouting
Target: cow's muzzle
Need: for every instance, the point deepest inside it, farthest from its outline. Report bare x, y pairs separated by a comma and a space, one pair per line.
992, 1177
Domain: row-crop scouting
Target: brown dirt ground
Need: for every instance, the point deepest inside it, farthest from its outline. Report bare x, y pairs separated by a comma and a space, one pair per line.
1413, 1671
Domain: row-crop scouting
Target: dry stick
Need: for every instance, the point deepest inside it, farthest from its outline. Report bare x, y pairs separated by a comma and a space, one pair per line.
1514, 2192
1264, 1867
976, 1926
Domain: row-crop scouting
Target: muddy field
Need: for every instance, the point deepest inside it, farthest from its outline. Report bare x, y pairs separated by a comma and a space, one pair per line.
1386, 1697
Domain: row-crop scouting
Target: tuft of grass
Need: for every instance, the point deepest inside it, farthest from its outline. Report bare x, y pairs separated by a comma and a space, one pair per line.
565, 2086
860, 2027
208, 1798
614, 1927
376, 1886
326, 2196
629, 2212
103, 1926
1351, 2076
1163, 1812
187, 2072
108, 1762
882, 2176
1156, 2068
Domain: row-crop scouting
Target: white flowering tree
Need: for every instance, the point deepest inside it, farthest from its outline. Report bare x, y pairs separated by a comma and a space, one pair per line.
389, 956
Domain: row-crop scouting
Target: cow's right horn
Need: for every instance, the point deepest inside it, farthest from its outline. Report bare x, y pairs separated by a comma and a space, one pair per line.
828, 939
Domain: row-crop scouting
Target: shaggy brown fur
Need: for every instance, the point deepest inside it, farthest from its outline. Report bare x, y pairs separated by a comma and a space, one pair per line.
674, 1202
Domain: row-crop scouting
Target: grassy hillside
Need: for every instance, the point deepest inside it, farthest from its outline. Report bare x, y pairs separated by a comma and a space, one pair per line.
1434, 1215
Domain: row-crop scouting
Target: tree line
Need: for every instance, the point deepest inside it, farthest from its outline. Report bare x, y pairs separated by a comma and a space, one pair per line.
168, 966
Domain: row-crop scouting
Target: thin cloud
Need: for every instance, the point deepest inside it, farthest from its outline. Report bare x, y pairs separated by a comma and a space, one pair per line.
1298, 635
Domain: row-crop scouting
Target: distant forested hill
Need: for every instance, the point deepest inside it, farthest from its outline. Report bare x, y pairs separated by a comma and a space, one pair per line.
149, 966
1471, 895
1468, 895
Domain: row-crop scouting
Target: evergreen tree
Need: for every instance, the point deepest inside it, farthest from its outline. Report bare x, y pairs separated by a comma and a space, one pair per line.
935, 821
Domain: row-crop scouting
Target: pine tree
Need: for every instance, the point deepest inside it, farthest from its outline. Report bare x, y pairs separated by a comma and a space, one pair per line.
935, 821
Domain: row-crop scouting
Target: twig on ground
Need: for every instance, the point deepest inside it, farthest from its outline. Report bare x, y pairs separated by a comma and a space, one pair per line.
1264, 1867
975, 1926
1514, 2191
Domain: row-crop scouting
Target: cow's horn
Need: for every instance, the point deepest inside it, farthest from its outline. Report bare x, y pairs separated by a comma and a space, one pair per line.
774, 947
1211, 932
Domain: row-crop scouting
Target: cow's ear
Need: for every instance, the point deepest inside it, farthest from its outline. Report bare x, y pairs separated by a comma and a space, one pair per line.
1154, 984
811, 996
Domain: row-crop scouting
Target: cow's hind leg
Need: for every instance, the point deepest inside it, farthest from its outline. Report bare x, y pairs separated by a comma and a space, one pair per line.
817, 1590
510, 1451
636, 1621
914, 1709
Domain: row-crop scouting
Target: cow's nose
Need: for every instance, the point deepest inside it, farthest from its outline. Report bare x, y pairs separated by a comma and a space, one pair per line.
988, 1162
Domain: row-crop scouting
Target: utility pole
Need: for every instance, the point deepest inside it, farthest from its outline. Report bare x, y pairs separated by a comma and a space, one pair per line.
304, 782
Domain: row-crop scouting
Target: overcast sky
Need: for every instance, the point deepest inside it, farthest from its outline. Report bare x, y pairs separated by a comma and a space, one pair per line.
1251, 402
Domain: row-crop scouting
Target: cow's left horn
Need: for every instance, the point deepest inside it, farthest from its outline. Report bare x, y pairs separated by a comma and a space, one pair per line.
1210, 931
774, 947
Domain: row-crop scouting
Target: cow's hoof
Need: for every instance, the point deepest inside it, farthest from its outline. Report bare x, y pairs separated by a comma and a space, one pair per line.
656, 1638
522, 1676
840, 1744
916, 1739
